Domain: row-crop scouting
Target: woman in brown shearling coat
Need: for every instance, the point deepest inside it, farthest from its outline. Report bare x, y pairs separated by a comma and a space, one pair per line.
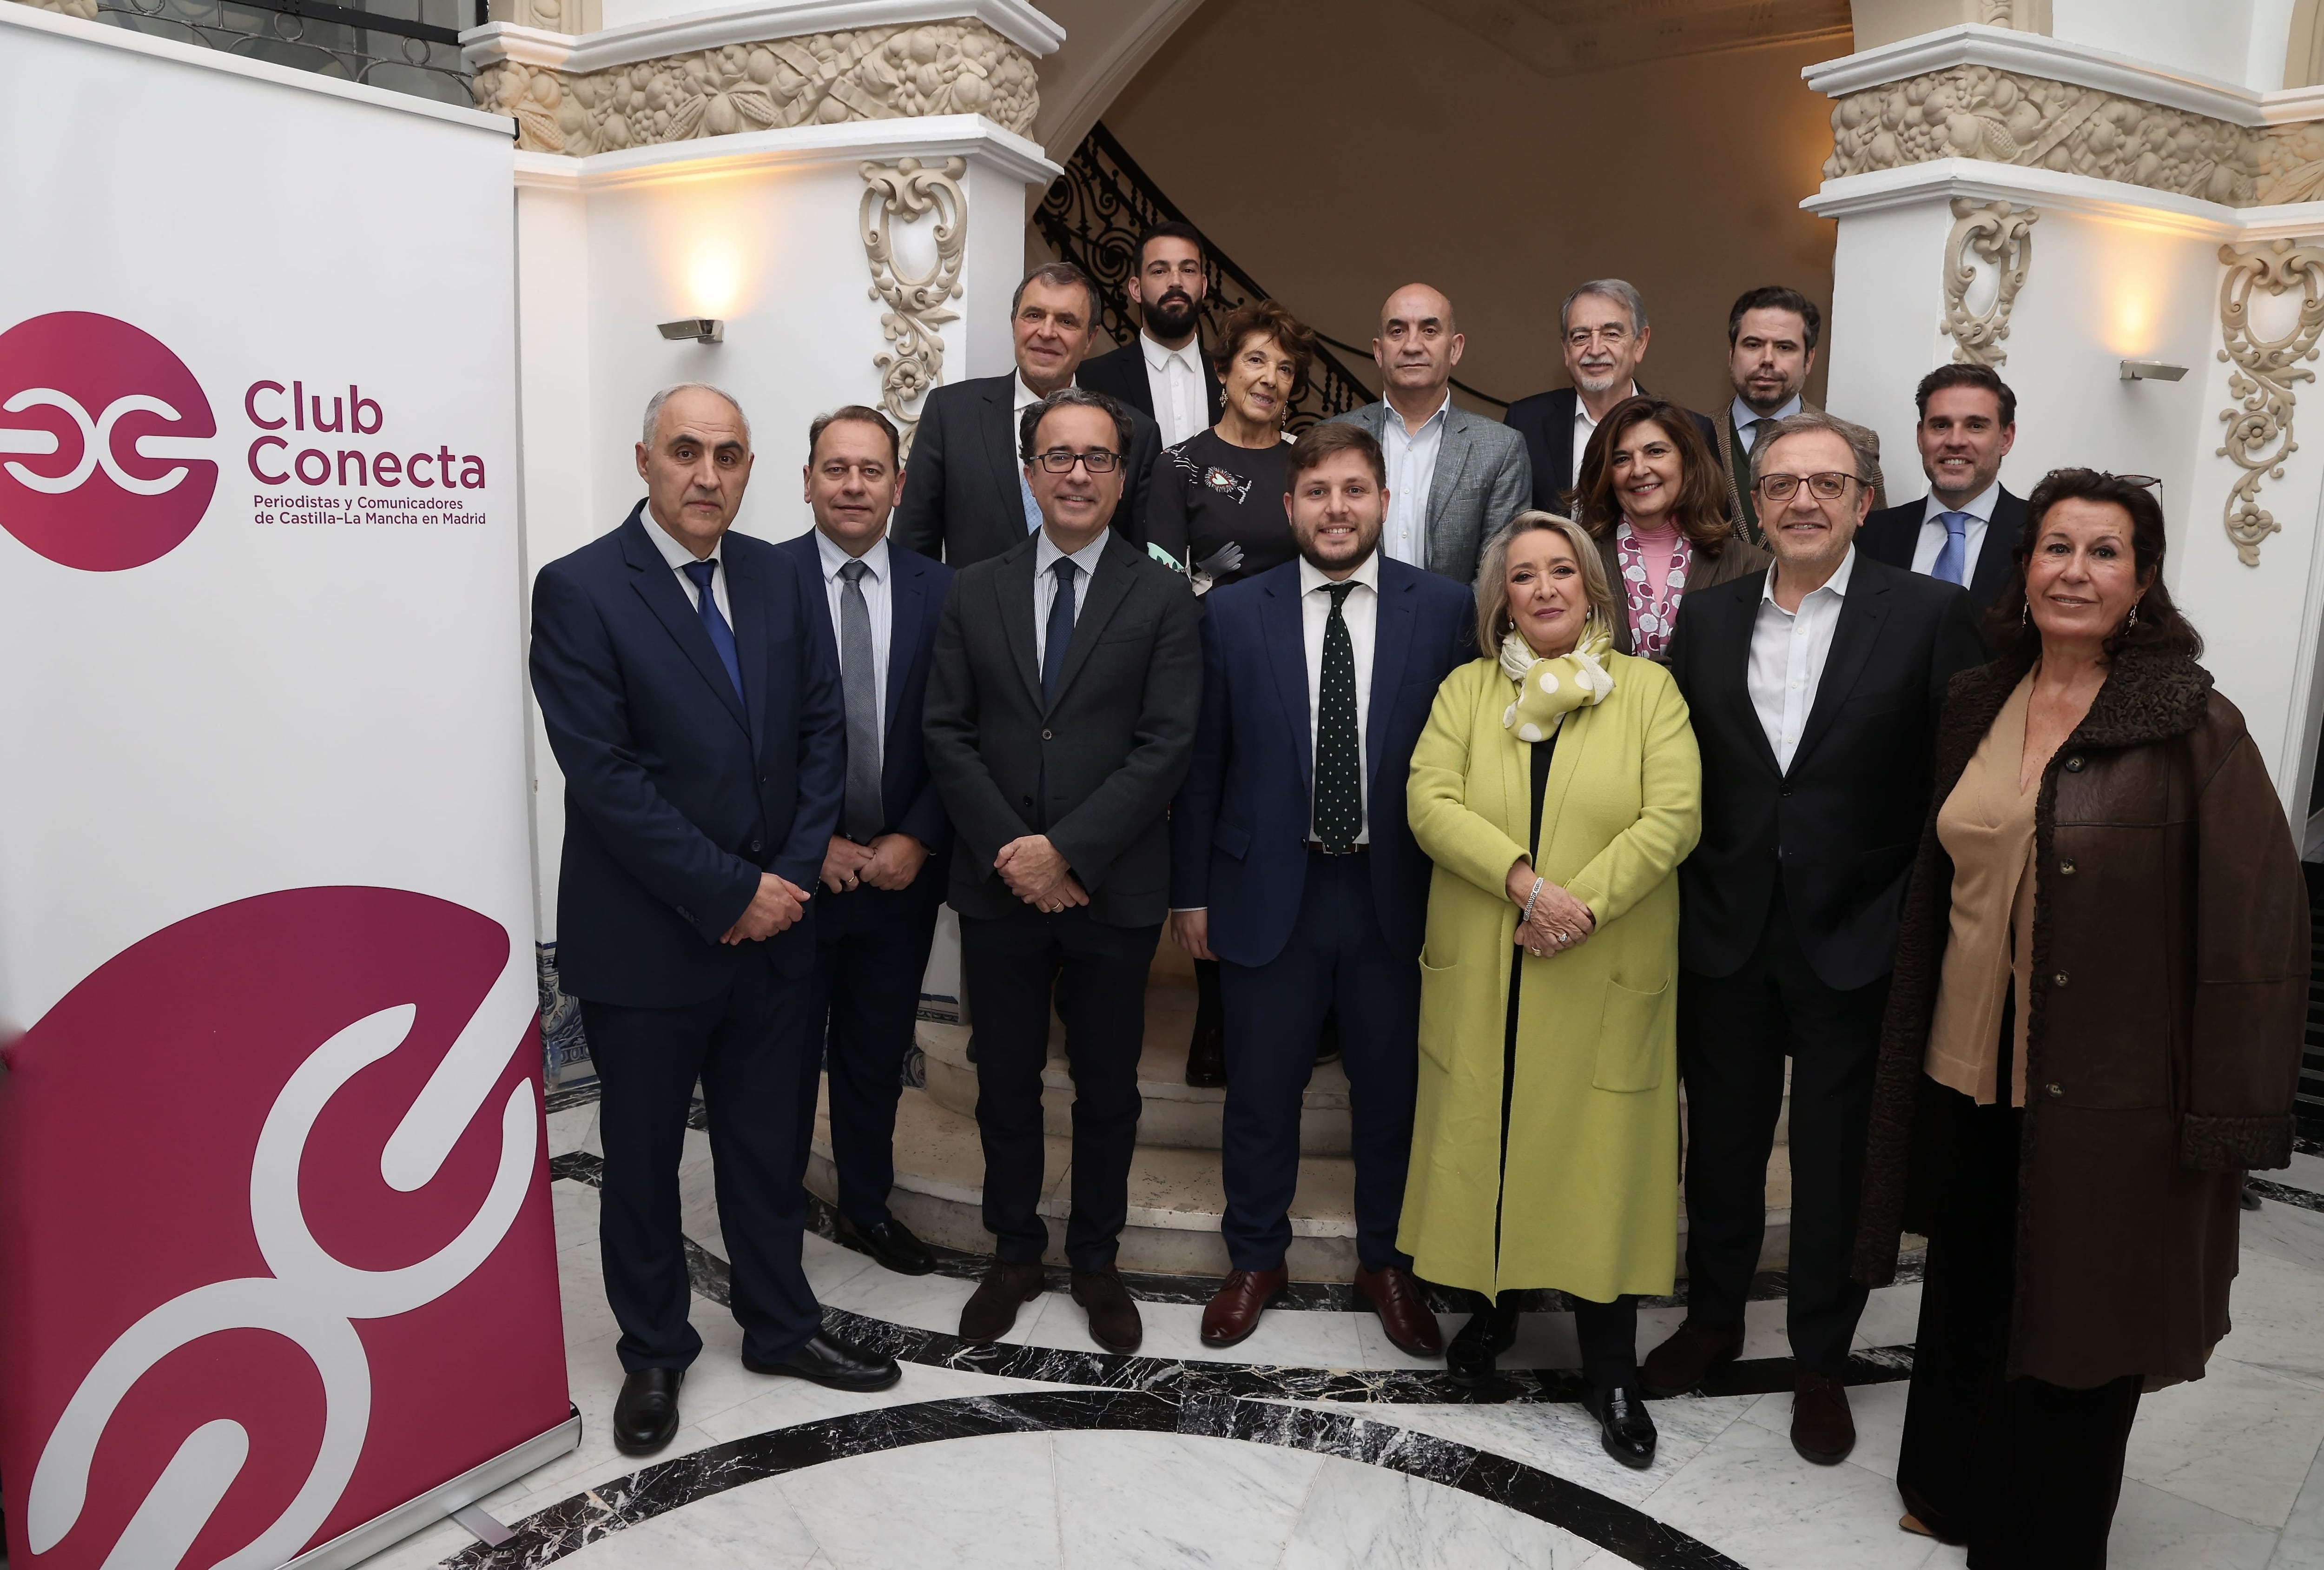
2093, 1032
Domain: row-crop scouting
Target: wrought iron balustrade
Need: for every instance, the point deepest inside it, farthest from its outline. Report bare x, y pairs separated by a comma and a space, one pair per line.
410, 46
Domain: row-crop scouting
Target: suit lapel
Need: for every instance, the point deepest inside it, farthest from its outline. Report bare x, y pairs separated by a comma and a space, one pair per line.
1452, 457
657, 586
1013, 582
1734, 666
1287, 656
906, 603
1108, 588
1862, 611
1001, 450
1996, 559
748, 592
1391, 644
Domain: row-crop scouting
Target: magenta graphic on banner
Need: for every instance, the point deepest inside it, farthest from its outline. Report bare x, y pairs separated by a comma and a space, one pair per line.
275, 1249
93, 408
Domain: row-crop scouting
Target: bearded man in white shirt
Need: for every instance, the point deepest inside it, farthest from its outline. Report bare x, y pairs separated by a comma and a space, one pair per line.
1163, 373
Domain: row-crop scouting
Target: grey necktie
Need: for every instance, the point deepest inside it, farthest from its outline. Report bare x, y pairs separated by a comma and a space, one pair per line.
1760, 429
858, 680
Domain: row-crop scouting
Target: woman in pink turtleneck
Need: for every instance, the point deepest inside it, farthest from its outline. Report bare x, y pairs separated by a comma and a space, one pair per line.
1650, 494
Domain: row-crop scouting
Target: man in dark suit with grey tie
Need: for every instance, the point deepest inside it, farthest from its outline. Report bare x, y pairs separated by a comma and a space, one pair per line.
884, 870
1966, 530
968, 501
1060, 722
699, 728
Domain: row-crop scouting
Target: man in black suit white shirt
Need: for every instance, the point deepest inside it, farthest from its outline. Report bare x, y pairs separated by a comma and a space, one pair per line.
1966, 530
1162, 373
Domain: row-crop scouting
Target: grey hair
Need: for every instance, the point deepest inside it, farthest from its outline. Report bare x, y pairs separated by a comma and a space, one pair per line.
1612, 288
1859, 440
1072, 397
654, 403
1493, 575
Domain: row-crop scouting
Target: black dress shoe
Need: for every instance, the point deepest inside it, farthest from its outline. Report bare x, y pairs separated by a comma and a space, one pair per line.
825, 1360
1472, 1358
1327, 1043
1206, 1055
891, 1243
1625, 1426
646, 1417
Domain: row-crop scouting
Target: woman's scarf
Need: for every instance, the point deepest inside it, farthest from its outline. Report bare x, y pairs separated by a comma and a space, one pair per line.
1549, 689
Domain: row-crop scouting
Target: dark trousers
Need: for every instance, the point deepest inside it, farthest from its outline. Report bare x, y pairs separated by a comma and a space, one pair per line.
871, 954
1734, 1033
1013, 964
2025, 1471
1337, 960
744, 1046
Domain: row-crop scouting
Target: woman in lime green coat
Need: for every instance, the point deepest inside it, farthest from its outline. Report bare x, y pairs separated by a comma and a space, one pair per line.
1557, 789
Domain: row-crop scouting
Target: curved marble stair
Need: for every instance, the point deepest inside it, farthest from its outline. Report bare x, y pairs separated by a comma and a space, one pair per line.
1176, 1199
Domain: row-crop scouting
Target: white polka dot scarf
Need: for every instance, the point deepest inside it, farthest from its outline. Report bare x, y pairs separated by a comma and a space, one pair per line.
1550, 689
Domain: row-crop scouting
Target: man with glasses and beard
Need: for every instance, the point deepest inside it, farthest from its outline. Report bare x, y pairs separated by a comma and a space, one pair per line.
1161, 372
1060, 719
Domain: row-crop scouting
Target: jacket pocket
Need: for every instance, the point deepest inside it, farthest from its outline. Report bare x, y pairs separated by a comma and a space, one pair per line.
1440, 1008
1632, 1044
1878, 868
1232, 839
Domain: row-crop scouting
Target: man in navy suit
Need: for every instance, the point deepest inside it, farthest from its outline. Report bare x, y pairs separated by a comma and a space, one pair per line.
698, 725
1291, 864
884, 869
1966, 530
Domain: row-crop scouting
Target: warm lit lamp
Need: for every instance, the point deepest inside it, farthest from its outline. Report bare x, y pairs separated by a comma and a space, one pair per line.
705, 330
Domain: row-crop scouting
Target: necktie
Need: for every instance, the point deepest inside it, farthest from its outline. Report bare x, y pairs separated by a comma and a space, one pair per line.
722, 636
859, 682
1760, 430
1339, 754
1060, 636
1032, 508
1952, 557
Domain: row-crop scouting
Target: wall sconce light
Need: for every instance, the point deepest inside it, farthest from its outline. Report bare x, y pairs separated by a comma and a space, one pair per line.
2132, 370
705, 329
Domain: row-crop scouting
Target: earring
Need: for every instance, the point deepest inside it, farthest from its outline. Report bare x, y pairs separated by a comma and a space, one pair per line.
2131, 620
2025, 614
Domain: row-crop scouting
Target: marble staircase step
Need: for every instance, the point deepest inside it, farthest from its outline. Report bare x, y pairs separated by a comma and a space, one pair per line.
1176, 1199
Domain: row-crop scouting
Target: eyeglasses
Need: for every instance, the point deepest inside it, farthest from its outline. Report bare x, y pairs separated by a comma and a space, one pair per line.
1614, 337
1824, 487
2143, 482
1097, 460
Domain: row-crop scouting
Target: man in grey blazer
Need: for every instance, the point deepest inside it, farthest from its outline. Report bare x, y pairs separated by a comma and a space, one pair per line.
1454, 478
1060, 721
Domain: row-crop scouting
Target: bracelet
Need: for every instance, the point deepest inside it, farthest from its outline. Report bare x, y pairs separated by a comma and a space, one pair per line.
1526, 914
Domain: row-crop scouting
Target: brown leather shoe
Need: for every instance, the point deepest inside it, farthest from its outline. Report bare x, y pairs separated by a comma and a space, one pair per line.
988, 1315
1823, 1429
1692, 1351
1234, 1311
1113, 1322
1395, 1297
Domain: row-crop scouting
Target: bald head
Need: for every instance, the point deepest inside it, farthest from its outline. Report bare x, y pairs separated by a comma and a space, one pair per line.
1416, 349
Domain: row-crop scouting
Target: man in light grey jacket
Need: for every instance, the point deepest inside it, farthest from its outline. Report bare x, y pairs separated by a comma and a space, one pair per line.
1454, 478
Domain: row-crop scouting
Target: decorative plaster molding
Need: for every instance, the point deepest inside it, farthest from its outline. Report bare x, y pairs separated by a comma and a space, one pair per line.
577, 53
988, 148
85, 10
2033, 54
1916, 185
935, 69
2000, 233
2262, 374
910, 189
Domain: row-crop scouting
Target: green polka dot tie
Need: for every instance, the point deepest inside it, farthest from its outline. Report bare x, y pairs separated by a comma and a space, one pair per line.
1339, 750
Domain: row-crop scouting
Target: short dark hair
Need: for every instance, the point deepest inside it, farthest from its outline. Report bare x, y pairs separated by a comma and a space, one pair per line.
1319, 442
1775, 296
863, 414
1061, 275
1176, 229
1700, 510
1984, 376
2160, 625
1263, 318
1071, 397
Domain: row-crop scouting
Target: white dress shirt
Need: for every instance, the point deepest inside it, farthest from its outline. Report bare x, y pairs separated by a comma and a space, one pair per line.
1585, 425
1045, 586
1932, 532
1743, 414
1025, 399
680, 559
1411, 472
1174, 378
879, 599
1788, 649
1361, 612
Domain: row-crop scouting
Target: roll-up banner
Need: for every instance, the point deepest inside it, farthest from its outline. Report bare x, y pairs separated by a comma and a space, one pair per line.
277, 1271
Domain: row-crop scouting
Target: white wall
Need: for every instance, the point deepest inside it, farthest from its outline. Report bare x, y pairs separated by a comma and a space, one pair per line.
2231, 40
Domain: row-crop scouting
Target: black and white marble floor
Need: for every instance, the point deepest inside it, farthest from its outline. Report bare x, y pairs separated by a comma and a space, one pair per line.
1317, 1444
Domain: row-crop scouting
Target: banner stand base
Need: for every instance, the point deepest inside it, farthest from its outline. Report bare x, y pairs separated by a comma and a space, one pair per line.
384, 1532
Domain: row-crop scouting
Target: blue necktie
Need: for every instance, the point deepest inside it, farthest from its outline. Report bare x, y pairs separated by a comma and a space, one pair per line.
1953, 559
1032, 508
1061, 630
722, 636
